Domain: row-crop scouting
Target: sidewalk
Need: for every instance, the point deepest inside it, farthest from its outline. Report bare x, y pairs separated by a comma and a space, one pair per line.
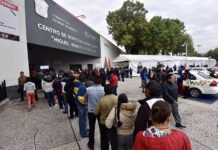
44, 128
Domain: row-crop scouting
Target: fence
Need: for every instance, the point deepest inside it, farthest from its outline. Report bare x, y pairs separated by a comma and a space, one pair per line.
3, 91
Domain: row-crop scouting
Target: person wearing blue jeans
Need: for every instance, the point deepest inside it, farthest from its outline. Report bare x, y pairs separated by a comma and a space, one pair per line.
81, 102
50, 98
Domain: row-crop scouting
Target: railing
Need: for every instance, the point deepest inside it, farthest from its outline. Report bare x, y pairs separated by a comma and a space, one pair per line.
3, 91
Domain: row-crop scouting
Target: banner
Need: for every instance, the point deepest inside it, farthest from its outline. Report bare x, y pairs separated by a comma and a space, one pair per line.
9, 28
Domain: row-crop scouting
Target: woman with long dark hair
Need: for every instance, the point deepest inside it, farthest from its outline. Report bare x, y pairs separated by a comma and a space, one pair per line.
124, 116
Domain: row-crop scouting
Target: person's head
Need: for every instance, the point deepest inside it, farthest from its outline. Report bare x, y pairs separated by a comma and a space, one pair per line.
153, 89
46, 72
82, 78
21, 73
108, 89
97, 80
171, 78
161, 112
213, 72
122, 98
28, 79
66, 74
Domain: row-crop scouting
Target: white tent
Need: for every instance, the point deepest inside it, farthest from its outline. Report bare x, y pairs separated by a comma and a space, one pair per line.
149, 61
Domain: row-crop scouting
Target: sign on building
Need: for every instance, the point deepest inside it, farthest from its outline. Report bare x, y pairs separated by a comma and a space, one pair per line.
9, 28
48, 24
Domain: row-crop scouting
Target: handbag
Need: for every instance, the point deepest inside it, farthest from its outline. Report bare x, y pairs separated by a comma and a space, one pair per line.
112, 132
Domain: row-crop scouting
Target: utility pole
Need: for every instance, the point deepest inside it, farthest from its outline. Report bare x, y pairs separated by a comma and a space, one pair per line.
198, 47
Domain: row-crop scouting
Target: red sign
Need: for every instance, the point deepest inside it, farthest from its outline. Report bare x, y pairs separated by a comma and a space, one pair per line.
9, 5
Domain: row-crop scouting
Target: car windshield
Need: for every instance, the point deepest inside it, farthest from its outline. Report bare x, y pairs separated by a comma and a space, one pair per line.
202, 74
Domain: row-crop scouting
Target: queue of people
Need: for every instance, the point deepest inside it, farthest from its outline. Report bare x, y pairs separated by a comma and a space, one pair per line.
121, 125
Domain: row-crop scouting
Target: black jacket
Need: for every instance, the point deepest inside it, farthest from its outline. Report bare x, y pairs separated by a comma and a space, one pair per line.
170, 92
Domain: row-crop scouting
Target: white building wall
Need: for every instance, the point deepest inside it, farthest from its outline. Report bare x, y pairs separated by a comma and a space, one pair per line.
13, 54
108, 50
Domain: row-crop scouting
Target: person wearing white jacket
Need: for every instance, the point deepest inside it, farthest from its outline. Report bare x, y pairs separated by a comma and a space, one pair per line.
29, 88
125, 116
47, 83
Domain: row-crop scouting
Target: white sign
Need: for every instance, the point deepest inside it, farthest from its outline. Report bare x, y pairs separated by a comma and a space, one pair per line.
41, 8
44, 67
9, 28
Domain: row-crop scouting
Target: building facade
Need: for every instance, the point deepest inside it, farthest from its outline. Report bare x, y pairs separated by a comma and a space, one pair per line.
42, 33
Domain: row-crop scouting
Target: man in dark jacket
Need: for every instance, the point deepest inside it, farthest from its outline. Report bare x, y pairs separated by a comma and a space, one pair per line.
153, 94
170, 94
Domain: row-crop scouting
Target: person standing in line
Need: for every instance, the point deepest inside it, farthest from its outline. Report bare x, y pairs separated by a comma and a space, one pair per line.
144, 79
94, 93
29, 88
187, 84
130, 72
47, 82
34, 79
180, 82
122, 74
103, 108
114, 82
125, 114
170, 94
69, 88
103, 77
153, 93
21, 81
57, 86
160, 136
81, 102
63, 83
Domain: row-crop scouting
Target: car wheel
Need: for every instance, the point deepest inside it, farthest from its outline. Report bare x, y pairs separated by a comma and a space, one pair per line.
195, 93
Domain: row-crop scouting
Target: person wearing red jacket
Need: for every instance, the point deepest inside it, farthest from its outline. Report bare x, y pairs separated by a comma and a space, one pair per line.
114, 82
159, 136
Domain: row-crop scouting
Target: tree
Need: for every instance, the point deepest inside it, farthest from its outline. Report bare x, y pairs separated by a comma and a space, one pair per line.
213, 54
128, 26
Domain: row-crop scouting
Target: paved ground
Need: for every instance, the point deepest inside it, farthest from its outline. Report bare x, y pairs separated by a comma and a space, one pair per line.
44, 128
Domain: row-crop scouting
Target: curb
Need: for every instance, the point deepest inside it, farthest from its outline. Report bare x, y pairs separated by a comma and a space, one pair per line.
4, 101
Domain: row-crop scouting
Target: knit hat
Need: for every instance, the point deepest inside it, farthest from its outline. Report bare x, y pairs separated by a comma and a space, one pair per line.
154, 88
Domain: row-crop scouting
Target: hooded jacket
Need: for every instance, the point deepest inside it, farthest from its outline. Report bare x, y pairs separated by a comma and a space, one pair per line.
29, 87
143, 119
79, 93
47, 83
127, 117
181, 78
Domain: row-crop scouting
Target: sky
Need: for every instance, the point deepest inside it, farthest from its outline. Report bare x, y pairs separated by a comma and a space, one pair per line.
199, 16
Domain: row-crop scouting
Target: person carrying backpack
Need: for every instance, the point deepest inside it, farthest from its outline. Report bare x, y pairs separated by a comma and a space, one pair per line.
153, 93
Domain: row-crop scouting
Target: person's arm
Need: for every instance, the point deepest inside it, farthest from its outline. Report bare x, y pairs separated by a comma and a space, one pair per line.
166, 94
97, 108
110, 119
141, 121
24, 88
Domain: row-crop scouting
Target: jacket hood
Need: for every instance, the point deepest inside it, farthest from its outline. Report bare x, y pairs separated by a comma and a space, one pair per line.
77, 83
128, 109
48, 78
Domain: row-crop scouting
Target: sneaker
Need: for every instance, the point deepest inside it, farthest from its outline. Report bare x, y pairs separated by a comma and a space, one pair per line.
180, 126
65, 112
85, 136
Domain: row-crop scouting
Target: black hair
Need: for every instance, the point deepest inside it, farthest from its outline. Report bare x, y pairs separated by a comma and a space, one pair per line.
122, 98
66, 74
154, 89
108, 89
82, 78
28, 79
169, 76
160, 111
97, 80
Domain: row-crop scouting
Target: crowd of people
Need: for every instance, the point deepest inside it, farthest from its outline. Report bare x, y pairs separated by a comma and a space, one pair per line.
121, 125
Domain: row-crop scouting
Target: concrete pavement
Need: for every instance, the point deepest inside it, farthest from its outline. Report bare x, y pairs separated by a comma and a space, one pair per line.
44, 128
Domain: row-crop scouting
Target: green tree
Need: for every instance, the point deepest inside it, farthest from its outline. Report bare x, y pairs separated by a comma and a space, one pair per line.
128, 26
213, 54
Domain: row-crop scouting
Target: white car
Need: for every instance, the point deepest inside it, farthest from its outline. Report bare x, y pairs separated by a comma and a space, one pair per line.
201, 83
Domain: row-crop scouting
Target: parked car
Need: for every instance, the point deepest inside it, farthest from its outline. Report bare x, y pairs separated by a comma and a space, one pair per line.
201, 83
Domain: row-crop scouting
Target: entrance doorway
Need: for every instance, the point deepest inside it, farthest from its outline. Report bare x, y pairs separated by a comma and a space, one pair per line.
90, 66
75, 67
